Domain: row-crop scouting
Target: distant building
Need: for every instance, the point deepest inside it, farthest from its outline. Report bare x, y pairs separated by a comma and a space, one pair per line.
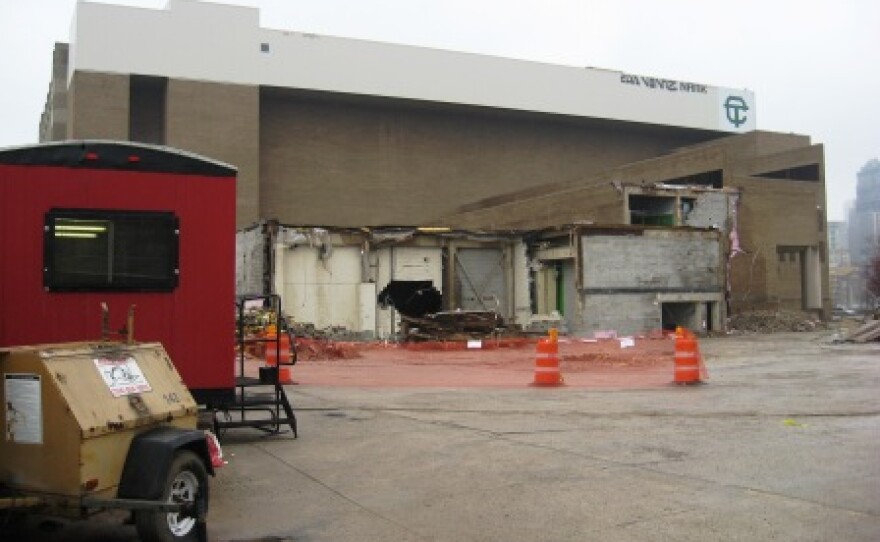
864, 219
864, 230
348, 133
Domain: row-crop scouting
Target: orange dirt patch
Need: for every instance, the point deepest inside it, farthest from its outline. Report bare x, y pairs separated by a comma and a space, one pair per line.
589, 364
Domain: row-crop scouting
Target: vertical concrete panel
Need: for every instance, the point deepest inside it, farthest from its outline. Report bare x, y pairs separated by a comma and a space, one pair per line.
521, 295
98, 106
367, 308
250, 259
480, 279
323, 292
222, 122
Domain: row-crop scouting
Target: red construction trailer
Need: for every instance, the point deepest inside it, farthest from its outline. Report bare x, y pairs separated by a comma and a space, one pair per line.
89, 222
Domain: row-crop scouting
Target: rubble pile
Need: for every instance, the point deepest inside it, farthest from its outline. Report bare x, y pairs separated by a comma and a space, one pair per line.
769, 321
452, 325
320, 350
331, 333
867, 332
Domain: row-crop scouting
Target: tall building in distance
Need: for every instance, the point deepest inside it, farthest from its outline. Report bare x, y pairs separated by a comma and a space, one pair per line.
864, 230
864, 219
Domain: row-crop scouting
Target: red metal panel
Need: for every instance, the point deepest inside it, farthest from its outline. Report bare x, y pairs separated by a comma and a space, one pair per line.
195, 321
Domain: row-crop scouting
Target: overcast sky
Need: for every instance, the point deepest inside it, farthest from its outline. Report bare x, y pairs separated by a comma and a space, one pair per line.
814, 65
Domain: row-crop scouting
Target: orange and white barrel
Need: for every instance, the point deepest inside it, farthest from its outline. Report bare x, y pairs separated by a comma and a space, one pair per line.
547, 363
687, 357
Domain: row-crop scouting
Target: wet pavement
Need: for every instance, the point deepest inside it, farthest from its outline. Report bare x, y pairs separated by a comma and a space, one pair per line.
782, 444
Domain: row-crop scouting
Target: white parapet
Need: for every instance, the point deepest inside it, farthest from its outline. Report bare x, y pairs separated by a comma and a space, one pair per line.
221, 43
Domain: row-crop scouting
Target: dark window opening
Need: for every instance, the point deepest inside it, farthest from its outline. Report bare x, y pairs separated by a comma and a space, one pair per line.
91, 250
264, 47
713, 179
673, 315
652, 210
802, 173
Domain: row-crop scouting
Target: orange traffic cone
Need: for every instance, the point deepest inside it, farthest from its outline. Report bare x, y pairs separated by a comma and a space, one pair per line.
547, 362
282, 353
688, 361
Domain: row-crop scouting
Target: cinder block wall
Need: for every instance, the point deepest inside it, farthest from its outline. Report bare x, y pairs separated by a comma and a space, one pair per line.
623, 275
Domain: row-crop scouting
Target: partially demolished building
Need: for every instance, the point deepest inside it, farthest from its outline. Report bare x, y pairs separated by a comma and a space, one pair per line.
577, 277
601, 198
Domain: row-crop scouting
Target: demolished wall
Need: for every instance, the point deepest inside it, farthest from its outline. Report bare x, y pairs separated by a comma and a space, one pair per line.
628, 275
250, 262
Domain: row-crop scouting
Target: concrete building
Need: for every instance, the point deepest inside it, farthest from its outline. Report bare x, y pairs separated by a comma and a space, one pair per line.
344, 133
332, 278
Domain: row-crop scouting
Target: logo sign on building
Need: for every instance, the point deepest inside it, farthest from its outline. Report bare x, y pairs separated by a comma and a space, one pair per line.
736, 111
122, 376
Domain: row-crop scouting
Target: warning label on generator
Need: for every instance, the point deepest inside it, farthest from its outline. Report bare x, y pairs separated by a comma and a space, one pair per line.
122, 376
24, 408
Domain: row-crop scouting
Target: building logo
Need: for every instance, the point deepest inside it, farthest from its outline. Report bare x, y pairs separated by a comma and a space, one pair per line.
735, 107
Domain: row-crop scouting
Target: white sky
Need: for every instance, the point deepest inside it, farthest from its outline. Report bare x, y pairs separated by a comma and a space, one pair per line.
814, 64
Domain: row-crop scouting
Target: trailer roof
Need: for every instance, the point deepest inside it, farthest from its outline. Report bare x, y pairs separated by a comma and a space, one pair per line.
119, 155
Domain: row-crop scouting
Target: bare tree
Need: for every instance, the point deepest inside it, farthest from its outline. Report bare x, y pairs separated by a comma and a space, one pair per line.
873, 282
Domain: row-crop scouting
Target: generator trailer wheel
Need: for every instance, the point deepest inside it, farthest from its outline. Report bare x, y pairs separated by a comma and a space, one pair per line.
186, 483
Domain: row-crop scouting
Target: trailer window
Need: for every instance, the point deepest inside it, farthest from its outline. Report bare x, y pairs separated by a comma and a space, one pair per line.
89, 250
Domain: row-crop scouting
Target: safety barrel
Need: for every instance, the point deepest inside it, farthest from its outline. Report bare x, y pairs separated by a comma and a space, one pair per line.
547, 363
687, 357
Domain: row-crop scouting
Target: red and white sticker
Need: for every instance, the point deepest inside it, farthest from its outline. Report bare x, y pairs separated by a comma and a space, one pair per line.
122, 376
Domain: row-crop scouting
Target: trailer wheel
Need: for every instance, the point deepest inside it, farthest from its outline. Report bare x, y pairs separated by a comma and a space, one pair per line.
187, 482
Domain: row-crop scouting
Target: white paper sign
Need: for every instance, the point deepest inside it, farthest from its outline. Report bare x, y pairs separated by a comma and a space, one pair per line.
122, 376
24, 408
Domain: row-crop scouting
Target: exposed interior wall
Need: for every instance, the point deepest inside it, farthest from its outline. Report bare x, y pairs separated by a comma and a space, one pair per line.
250, 262
627, 279
403, 263
624, 313
322, 288
481, 279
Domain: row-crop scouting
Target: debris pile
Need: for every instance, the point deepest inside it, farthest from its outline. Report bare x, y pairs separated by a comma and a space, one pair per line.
314, 350
869, 331
452, 325
768, 321
331, 333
